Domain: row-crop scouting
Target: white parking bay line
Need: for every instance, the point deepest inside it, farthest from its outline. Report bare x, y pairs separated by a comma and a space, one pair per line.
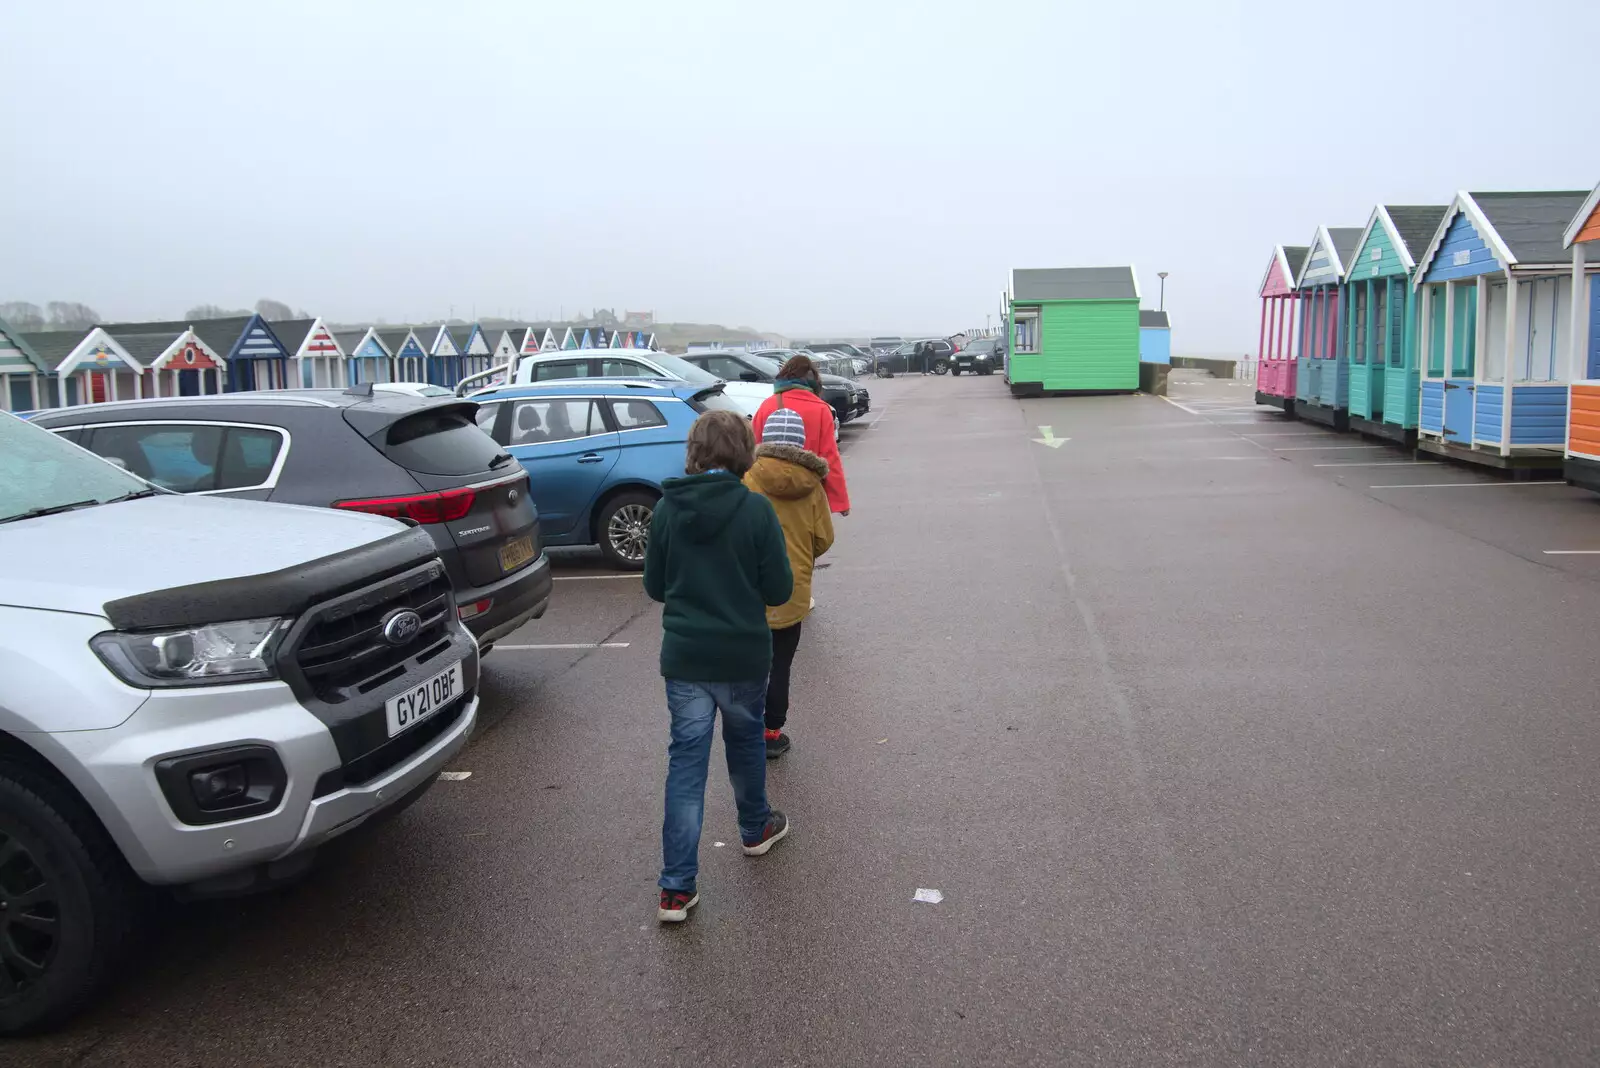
1326, 448
1458, 485
569, 645
1289, 434
1385, 463
1572, 552
454, 776
589, 578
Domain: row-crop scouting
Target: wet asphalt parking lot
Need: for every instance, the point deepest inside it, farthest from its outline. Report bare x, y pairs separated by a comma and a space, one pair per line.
1226, 739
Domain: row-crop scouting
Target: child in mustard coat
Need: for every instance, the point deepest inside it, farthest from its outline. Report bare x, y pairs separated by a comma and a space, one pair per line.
791, 478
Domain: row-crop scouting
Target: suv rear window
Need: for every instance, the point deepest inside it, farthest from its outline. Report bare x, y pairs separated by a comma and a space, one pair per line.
712, 400
440, 443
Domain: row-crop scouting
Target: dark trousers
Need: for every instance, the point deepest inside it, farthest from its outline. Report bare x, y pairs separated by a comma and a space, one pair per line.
784, 642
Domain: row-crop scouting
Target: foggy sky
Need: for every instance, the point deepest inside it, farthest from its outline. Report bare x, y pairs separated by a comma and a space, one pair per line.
814, 168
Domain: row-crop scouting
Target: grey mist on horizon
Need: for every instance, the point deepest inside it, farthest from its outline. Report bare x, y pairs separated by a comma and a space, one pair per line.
833, 169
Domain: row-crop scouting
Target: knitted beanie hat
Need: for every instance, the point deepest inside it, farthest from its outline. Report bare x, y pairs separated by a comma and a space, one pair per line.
784, 427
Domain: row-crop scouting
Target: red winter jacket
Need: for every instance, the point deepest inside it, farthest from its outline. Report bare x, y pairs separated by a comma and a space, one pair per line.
819, 419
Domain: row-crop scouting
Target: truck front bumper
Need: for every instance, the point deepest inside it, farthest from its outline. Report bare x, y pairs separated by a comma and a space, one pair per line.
116, 772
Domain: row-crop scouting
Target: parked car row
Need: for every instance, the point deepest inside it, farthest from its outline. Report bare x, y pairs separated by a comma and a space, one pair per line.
847, 399
201, 686
598, 451
858, 359
626, 364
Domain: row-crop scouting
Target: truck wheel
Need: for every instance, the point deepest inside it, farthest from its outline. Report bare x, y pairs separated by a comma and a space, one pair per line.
624, 529
68, 904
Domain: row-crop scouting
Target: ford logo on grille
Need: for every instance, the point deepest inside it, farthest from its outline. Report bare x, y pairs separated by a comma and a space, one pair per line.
400, 627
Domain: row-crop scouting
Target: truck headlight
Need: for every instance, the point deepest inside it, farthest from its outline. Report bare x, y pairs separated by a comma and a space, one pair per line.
241, 651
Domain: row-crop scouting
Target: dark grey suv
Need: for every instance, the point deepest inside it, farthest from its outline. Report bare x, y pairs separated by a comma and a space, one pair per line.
421, 459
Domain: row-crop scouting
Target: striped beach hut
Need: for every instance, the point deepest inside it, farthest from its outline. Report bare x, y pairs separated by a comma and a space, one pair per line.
177, 365
508, 344
477, 353
410, 353
371, 359
319, 354
257, 359
25, 381
444, 356
91, 366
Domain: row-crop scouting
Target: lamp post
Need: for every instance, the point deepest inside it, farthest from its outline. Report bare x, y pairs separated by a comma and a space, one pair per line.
1163, 276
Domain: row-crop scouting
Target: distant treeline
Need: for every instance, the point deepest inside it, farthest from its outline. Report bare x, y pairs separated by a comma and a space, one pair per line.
71, 315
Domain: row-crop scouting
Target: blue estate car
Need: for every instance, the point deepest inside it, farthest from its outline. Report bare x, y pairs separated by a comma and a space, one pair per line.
597, 451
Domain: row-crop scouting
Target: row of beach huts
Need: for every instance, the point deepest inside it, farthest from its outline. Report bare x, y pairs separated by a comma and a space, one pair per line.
1469, 330
123, 361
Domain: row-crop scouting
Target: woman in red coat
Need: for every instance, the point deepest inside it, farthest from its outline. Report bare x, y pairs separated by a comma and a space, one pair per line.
796, 407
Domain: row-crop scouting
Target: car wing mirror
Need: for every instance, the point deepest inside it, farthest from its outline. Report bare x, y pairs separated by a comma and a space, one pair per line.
749, 376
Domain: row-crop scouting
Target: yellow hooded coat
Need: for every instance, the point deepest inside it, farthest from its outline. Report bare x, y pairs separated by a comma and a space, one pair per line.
791, 478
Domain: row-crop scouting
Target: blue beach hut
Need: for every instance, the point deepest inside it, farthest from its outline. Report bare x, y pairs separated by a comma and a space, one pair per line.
1155, 337
1495, 310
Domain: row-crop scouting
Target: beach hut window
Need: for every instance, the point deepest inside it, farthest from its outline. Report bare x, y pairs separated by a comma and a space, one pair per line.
1376, 334
1358, 308
1397, 299
1494, 354
1436, 324
1026, 329
1551, 300
1464, 332
21, 389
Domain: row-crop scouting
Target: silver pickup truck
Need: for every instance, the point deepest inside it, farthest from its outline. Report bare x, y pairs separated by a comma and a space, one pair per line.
195, 693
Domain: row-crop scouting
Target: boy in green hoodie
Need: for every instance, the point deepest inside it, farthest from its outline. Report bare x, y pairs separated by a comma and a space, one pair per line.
716, 560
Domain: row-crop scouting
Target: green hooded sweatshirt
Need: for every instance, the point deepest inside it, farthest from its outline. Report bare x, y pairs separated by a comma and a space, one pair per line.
716, 559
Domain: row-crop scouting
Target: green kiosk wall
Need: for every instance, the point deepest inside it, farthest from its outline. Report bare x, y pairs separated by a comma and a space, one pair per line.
1073, 330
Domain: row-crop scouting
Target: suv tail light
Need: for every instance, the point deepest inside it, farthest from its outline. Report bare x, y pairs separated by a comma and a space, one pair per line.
444, 507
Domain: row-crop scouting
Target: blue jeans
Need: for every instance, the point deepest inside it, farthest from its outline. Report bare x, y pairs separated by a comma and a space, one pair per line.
694, 712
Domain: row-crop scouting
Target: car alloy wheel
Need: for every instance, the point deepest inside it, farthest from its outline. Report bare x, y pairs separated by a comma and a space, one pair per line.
30, 920
628, 532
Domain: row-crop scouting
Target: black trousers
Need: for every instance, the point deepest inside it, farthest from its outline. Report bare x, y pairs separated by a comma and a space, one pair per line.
784, 642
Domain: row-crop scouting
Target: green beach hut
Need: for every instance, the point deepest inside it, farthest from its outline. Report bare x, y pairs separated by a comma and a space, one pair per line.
1073, 330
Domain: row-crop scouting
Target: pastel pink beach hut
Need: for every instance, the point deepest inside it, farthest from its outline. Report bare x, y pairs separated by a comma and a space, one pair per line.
1280, 303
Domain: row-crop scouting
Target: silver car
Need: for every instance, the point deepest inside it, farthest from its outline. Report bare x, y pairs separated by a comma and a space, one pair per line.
195, 692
